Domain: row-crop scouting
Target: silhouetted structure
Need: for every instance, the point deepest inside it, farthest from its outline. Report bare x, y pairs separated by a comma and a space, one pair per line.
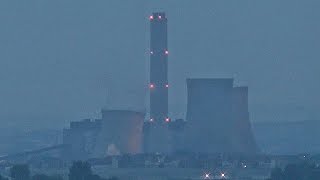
243, 139
177, 135
209, 128
156, 129
121, 133
218, 117
81, 139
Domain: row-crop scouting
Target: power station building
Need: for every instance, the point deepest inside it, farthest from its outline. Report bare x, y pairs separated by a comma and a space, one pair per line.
156, 128
209, 119
121, 133
218, 117
81, 139
118, 132
243, 139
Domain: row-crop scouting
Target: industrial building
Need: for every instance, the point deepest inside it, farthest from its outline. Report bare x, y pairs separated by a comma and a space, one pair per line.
81, 139
177, 135
121, 133
118, 132
156, 128
243, 139
209, 127
218, 117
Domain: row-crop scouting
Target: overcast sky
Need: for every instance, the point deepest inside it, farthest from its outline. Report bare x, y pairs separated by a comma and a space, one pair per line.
61, 61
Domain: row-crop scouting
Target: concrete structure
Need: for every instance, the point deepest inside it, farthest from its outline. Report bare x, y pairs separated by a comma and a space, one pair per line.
156, 129
209, 119
218, 118
158, 68
177, 134
121, 133
81, 139
243, 139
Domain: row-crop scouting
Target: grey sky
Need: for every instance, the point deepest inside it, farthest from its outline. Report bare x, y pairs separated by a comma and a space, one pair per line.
57, 58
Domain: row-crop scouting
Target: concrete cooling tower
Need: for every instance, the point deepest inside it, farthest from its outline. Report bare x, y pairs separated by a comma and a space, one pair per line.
121, 133
243, 141
218, 117
209, 119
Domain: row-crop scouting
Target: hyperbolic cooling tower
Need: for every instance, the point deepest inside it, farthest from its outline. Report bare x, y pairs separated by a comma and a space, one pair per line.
156, 129
218, 117
121, 133
209, 119
243, 141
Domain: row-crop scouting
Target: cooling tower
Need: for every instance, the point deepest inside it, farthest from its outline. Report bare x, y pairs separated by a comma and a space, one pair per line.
243, 141
209, 119
121, 133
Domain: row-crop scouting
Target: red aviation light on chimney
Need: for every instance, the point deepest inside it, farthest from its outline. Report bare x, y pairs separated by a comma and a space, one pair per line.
151, 86
151, 17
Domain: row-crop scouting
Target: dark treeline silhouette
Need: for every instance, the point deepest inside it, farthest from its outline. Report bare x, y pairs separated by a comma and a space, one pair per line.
78, 171
3, 178
82, 170
20, 172
45, 177
303, 171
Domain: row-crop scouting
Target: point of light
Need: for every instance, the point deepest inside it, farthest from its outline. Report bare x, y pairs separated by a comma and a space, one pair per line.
151, 52
151, 120
166, 52
160, 17
167, 85
245, 166
207, 176
151, 86
223, 175
167, 119
151, 17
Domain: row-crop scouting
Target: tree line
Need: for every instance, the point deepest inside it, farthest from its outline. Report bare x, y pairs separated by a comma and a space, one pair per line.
301, 171
78, 171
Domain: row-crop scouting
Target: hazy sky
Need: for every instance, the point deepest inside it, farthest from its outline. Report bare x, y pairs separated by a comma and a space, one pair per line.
58, 58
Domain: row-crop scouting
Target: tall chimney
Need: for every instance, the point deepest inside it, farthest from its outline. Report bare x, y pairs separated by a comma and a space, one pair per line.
157, 126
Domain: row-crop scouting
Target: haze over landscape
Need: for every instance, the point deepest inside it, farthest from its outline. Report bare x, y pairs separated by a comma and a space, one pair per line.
60, 59
159, 90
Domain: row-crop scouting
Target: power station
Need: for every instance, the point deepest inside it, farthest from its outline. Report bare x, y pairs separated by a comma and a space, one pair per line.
217, 118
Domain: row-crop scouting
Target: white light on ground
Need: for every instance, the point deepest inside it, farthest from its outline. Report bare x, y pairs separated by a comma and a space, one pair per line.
223, 175
207, 176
